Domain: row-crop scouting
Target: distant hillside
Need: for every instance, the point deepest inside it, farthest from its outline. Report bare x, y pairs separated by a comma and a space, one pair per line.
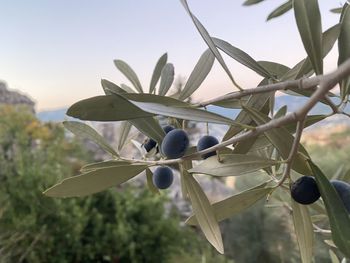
58, 115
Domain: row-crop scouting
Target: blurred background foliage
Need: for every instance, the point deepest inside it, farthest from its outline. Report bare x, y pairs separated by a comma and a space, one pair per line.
125, 224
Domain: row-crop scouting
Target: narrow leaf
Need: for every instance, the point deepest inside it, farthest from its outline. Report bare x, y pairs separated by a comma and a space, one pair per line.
283, 141
344, 48
304, 231
94, 181
282, 9
166, 80
208, 40
242, 57
151, 186
101, 165
252, 2
157, 72
274, 68
150, 127
129, 73
106, 108
333, 256
204, 213
84, 131
235, 204
171, 107
110, 87
308, 18
338, 216
336, 10
199, 73
231, 165
123, 133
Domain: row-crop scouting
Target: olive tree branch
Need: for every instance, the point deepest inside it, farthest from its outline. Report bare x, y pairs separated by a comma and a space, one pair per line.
324, 83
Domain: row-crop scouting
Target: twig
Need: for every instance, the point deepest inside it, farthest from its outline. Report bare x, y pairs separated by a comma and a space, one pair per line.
293, 151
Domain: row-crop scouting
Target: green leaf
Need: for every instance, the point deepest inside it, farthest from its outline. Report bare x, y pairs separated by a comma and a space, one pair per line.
151, 186
157, 72
256, 101
336, 10
338, 216
127, 88
84, 131
129, 73
106, 108
94, 181
110, 88
235, 204
102, 165
252, 2
329, 37
184, 166
150, 127
231, 103
304, 231
310, 120
274, 68
240, 56
333, 256
204, 213
166, 79
282, 9
231, 165
208, 40
283, 142
344, 48
199, 73
308, 18
281, 112
171, 107
123, 133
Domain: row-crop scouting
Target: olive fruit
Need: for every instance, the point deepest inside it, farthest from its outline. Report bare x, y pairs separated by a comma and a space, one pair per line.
305, 191
343, 190
205, 142
163, 177
175, 144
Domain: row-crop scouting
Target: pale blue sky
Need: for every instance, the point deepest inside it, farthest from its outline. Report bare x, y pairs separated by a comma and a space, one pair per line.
57, 51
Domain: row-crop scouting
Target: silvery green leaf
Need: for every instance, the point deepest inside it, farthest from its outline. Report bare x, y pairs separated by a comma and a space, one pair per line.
336, 10
150, 127
199, 73
166, 79
333, 256
106, 108
308, 18
129, 73
344, 47
123, 132
240, 56
204, 213
101, 165
338, 215
274, 68
94, 181
151, 186
208, 40
235, 204
157, 72
171, 107
282, 9
84, 131
283, 142
110, 88
252, 2
304, 231
231, 165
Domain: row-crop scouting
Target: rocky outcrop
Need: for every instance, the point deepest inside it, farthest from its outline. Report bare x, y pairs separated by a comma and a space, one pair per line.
15, 98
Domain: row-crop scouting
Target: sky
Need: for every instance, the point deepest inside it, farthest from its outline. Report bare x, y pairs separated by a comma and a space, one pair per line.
58, 51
